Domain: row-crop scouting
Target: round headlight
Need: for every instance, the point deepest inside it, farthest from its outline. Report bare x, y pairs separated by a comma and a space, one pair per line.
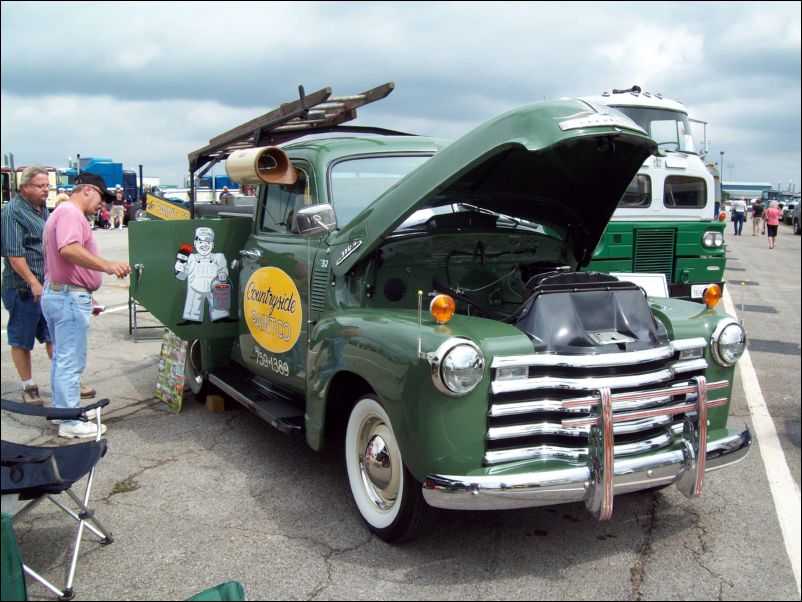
712, 239
461, 367
729, 342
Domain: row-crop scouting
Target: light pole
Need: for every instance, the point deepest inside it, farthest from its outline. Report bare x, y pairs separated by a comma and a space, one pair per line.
721, 172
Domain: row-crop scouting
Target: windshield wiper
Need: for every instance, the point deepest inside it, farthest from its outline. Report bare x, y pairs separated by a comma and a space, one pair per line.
478, 209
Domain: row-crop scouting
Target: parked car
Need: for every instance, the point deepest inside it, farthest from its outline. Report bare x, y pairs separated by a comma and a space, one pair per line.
788, 211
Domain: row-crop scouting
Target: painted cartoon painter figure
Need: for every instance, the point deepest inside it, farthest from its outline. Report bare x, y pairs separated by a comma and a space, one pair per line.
205, 273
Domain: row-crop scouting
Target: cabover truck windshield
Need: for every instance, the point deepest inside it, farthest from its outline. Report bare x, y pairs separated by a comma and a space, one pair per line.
420, 305
665, 222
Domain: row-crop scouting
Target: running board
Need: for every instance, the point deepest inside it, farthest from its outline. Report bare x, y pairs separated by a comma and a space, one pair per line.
270, 404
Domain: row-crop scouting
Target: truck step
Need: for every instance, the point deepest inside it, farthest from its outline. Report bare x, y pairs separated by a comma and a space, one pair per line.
266, 401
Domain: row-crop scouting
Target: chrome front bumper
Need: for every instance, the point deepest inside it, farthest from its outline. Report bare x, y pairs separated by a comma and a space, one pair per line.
586, 483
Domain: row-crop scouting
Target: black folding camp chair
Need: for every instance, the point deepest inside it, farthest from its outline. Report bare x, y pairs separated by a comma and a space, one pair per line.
32, 474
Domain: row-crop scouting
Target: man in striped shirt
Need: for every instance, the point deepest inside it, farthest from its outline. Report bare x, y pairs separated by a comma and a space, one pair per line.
23, 221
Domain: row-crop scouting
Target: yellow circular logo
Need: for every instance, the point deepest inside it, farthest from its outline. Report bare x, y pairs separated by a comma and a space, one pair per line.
272, 308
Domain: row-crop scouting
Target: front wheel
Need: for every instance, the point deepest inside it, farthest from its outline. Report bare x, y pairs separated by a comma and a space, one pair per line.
387, 495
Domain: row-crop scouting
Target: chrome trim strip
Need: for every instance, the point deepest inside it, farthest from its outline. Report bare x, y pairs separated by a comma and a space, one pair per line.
621, 401
534, 488
602, 360
536, 452
527, 407
557, 452
685, 344
688, 365
601, 461
496, 433
582, 384
694, 439
532, 429
689, 388
669, 411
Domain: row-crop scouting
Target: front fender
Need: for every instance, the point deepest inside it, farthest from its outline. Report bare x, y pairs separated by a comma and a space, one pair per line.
688, 319
381, 348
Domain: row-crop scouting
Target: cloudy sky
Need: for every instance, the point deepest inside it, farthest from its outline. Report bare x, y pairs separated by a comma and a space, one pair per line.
149, 82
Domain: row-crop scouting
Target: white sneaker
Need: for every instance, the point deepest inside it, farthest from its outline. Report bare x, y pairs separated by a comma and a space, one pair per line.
81, 430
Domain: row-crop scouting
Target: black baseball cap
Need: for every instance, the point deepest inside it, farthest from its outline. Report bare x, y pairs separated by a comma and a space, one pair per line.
95, 180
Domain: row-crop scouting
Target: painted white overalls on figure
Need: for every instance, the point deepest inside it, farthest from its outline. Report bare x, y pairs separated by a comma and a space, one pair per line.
201, 271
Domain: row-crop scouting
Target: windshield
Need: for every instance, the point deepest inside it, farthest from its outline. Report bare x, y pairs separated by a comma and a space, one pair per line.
638, 193
670, 129
356, 183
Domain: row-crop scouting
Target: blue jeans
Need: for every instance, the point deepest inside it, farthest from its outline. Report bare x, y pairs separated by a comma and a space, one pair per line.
740, 218
67, 314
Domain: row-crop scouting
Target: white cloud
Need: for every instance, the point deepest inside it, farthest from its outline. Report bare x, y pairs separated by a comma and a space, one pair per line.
134, 59
649, 53
173, 75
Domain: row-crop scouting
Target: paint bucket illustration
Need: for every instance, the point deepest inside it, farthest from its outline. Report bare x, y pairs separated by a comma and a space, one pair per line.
221, 295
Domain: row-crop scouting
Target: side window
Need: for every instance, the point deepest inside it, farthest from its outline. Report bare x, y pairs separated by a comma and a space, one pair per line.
282, 202
682, 192
638, 193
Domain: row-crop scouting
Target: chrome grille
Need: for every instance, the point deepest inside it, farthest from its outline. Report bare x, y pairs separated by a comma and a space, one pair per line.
542, 405
654, 251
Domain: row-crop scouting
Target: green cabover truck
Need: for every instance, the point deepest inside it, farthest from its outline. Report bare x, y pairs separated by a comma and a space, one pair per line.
421, 304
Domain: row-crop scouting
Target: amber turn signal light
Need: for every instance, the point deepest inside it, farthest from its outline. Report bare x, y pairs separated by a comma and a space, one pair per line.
712, 295
442, 308
722, 217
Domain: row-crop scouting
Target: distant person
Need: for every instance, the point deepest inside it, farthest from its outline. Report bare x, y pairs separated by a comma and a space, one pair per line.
773, 217
118, 207
757, 217
226, 198
23, 222
738, 216
62, 196
73, 273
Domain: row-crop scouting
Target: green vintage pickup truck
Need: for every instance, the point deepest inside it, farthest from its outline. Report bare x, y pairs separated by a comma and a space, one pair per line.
420, 304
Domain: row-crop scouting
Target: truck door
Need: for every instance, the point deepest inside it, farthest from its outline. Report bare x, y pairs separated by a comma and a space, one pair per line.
274, 285
182, 273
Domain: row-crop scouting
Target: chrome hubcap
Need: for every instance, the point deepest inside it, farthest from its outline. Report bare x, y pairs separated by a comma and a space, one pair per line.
379, 463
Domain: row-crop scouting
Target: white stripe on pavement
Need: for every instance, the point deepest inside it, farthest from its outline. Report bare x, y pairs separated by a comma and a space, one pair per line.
784, 489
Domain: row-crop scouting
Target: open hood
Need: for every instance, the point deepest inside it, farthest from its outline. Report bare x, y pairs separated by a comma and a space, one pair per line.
564, 164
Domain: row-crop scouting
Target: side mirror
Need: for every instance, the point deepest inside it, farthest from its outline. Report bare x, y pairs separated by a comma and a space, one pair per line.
315, 220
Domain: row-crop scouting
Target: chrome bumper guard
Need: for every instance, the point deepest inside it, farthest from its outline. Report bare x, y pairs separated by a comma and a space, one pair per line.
602, 477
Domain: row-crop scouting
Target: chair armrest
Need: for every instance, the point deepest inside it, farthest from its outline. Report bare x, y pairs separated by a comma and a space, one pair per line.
53, 413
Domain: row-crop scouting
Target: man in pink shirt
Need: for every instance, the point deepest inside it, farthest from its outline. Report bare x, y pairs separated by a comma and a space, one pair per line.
73, 271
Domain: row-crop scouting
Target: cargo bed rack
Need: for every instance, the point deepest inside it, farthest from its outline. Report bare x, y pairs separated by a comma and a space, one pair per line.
315, 113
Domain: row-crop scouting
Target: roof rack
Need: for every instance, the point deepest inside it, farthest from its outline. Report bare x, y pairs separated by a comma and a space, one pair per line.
310, 114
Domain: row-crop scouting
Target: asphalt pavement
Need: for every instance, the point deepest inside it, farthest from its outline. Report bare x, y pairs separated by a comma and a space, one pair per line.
198, 497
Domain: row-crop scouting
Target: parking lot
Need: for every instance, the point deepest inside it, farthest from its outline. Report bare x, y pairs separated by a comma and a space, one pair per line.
198, 497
